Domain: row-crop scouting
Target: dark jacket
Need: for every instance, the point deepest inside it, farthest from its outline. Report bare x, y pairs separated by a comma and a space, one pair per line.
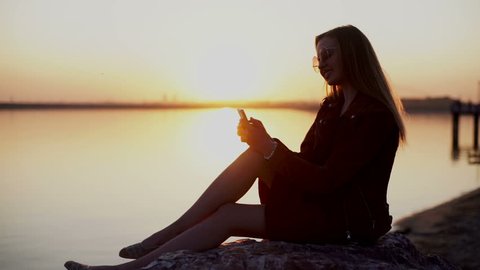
335, 189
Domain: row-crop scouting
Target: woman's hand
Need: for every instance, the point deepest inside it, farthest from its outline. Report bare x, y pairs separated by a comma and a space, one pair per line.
254, 134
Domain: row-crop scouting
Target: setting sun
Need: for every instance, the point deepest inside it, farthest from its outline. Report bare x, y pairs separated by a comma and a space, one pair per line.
226, 72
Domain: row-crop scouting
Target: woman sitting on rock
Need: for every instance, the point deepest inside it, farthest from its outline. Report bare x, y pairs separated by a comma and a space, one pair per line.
332, 191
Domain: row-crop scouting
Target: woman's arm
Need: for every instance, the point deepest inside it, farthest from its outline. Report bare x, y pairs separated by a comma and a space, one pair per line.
355, 146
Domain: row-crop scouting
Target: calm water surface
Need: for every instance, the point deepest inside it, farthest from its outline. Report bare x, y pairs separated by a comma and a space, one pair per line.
82, 184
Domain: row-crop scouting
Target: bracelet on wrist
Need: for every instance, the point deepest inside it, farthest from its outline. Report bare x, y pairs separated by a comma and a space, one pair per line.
267, 157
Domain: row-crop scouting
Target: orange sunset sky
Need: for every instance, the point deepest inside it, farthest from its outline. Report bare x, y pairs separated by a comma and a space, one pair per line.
105, 50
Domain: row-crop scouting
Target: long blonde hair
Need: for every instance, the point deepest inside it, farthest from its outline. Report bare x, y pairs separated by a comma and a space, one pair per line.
363, 70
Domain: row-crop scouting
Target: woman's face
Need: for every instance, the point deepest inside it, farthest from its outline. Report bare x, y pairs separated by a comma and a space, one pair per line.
330, 61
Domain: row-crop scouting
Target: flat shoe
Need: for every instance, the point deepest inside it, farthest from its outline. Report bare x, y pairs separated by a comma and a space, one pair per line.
71, 265
134, 251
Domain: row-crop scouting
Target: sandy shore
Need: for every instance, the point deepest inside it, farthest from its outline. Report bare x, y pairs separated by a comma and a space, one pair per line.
451, 230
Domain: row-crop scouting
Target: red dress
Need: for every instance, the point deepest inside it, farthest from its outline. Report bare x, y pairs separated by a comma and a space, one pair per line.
335, 189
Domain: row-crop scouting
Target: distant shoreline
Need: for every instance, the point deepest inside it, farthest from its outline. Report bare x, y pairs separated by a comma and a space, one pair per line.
426, 105
154, 106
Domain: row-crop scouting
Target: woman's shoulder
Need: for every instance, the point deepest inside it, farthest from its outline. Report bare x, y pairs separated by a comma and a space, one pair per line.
366, 104
372, 110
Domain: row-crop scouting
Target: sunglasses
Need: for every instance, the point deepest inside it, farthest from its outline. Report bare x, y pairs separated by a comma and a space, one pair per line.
323, 55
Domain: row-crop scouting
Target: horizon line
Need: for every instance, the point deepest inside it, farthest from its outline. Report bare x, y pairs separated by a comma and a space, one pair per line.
193, 102
427, 104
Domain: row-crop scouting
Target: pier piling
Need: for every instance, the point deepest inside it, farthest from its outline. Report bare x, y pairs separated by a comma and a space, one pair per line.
458, 109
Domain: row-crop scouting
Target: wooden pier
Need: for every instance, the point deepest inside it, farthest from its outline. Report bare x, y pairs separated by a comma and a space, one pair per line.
459, 109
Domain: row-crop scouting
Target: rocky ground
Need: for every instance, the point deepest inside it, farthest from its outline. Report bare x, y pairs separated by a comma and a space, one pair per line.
451, 230
393, 251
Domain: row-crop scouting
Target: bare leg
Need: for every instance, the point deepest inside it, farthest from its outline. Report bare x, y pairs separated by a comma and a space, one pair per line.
228, 187
207, 223
229, 220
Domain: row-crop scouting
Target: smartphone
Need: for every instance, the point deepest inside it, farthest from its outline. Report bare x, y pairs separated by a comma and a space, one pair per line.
242, 114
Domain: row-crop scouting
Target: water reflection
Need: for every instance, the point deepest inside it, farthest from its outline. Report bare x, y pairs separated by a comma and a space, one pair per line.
467, 154
465, 130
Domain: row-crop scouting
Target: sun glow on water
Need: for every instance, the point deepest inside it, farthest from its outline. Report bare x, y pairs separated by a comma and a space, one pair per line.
211, 134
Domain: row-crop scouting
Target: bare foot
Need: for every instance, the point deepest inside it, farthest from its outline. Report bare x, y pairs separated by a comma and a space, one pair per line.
71, 265
135, 251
